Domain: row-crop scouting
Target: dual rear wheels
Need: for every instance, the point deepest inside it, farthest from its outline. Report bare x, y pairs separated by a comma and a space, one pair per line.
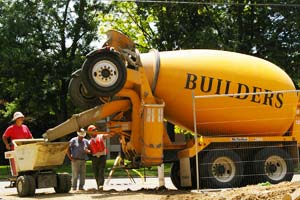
221, 169
102, 75
80, 96
224, 169
273, 165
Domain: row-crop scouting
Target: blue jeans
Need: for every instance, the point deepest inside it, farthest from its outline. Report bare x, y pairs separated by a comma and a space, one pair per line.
78, 170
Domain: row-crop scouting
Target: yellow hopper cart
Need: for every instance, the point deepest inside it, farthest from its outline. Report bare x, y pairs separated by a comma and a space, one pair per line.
32, 164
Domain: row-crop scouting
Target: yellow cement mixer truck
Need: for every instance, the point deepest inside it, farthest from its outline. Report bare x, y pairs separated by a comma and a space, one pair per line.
244, 110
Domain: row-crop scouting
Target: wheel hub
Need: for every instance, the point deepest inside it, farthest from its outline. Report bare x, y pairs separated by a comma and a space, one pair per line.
105, 73
223, 169
220, 170
275, 167
271, 168
20, 186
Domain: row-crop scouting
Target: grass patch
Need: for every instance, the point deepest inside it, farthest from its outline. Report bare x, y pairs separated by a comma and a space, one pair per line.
118, 173
4, 171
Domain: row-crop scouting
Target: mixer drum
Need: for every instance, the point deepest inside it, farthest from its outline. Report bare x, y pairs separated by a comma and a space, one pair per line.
174, 75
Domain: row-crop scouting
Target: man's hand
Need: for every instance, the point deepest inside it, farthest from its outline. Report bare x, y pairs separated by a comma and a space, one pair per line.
7, 146
87, 151
70, 157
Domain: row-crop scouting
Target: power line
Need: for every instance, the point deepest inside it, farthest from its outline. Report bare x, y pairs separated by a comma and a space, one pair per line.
208, 3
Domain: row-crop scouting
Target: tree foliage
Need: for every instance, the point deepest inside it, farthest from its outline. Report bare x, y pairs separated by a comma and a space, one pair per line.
267, 30
41, 44
136, 22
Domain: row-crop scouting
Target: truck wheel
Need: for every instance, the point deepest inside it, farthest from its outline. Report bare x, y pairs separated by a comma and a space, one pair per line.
273, 165
175, 175
103, 74
25, 185
79, 94
63, 183
222, 169
171, 131
250, 176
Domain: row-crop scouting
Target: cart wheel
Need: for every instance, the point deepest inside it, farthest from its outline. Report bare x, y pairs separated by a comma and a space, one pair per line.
63, 183
32, 185
25, 185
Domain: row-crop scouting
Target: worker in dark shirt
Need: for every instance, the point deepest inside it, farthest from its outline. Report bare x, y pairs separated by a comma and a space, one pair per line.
77, 153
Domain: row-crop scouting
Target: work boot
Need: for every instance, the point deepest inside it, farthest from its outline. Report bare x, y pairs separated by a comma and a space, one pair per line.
100, 188
11, 185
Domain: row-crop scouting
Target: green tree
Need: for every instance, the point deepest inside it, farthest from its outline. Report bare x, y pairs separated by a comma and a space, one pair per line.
41, 44
135, 22
267, 30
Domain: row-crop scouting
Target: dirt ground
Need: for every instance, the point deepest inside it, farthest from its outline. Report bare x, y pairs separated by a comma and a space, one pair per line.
255, 192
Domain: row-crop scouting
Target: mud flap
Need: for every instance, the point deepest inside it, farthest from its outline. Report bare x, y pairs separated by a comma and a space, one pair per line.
161, 176
185, 172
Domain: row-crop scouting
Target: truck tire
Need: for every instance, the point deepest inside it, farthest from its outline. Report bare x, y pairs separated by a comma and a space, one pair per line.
171, 131
175, 176
273, 165
221, 169
63, 183
25, 185
79, 94
250, 176
103, 74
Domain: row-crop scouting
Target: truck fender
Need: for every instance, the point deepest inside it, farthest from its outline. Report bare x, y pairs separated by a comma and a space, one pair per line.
106, 49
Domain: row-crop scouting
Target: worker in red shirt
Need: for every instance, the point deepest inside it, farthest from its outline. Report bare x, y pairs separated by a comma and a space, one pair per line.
16, 131
98, 150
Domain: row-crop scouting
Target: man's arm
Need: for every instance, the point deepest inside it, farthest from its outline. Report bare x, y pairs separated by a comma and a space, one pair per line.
105, 136
29, 133
69, 154
69, 150
7, 146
